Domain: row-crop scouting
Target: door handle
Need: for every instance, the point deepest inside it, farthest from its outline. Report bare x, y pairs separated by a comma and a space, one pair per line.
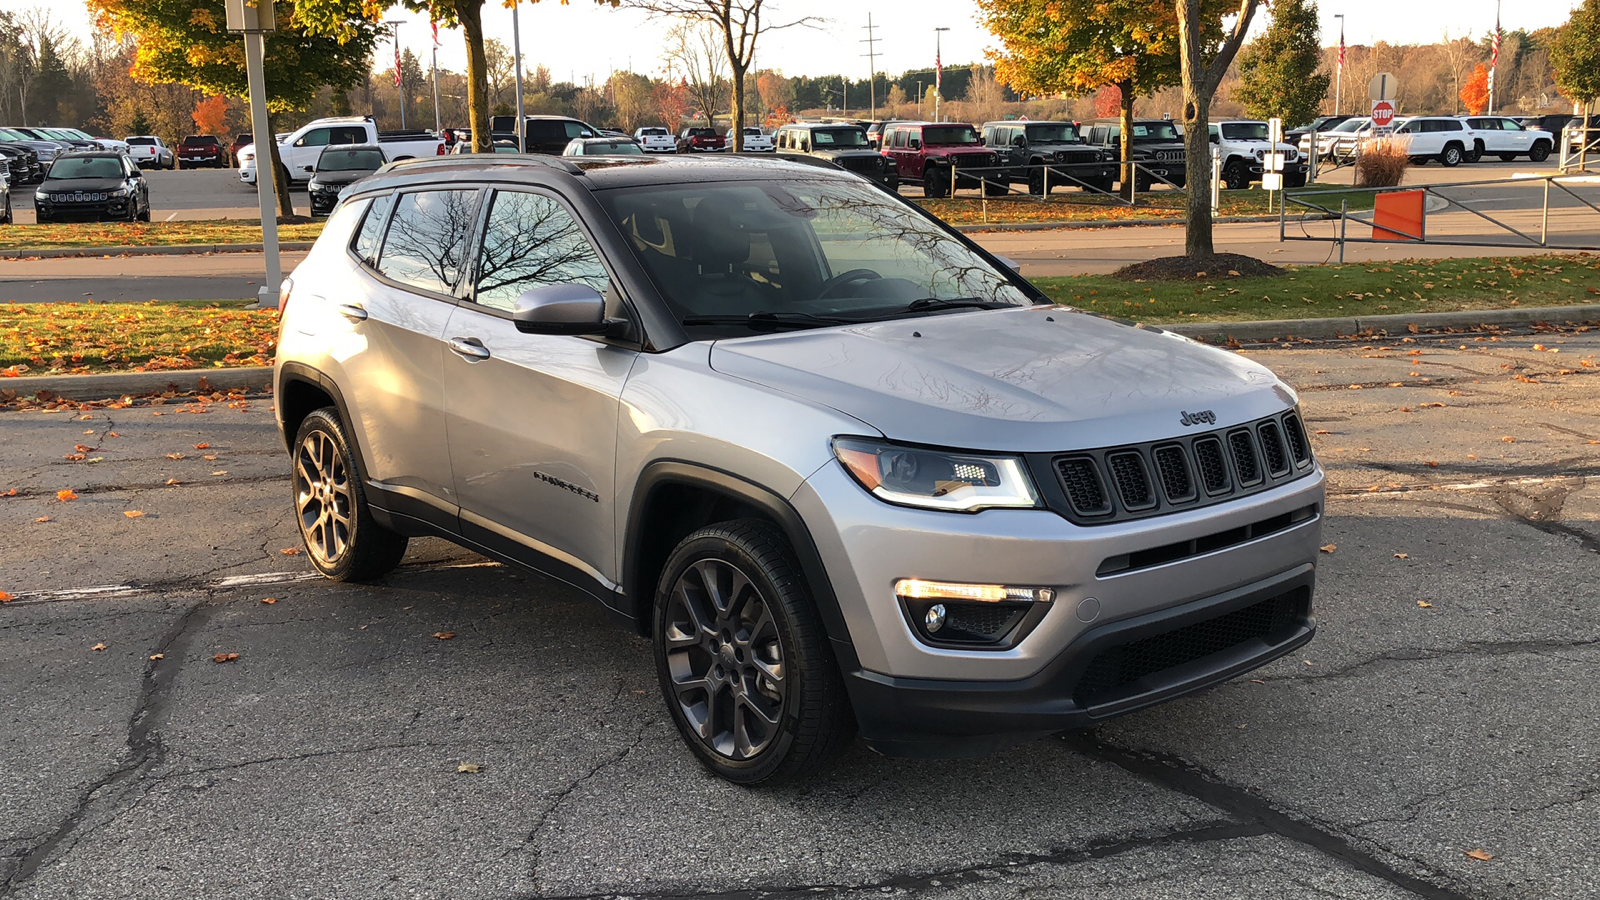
352, 312
469, 349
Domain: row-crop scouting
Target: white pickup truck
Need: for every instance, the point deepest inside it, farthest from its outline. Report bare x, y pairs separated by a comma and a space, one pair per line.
655, 139
299, 150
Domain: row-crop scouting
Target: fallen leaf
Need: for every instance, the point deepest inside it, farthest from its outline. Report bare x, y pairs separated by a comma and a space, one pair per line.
112, 434
209, 456
219, 474
269, 600
444, 635
133, 513
174, 456
98, 647
1480, 855
157, 657
1322, 431
1425, 604
6, 598
1431, 464
173, 481
1402, 556
73, 457
224, 657
290, 551
43, 519
66, 495
468, 769
1509, 439
1329, 548
202, 446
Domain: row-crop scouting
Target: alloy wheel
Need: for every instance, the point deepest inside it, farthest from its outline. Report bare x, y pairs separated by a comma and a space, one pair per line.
323, 497
726, 659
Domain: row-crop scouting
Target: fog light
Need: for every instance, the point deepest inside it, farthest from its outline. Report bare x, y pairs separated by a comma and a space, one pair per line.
918, 589
934, 620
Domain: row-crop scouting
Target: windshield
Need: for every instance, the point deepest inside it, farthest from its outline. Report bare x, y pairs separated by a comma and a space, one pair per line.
611, 148
839, 137
86, 167
797, 249
1154, 131
10, 135
949, 134
1052, 134
1245, 131
1349, 125
341, 160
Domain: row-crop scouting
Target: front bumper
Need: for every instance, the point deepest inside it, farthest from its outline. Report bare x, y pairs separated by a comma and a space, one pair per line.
323, 202
1108, 671
88, 211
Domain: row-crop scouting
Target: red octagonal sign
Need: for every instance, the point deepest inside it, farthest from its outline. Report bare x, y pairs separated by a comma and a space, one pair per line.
1382, 114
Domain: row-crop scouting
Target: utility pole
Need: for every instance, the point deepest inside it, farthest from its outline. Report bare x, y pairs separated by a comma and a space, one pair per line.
938, 72
516, 53
399, 73
1338, 83
438, 124
872, 66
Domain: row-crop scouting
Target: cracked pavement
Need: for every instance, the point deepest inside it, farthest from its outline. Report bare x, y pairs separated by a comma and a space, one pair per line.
1446, 705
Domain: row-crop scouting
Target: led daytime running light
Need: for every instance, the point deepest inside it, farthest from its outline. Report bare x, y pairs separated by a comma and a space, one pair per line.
920, 589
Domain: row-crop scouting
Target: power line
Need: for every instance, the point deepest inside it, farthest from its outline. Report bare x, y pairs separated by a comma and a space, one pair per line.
872, 63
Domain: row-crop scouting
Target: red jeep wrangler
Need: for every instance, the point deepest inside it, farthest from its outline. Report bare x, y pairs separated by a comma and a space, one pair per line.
942, 157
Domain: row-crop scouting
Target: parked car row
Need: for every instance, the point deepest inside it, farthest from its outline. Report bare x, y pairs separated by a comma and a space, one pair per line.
1451, 140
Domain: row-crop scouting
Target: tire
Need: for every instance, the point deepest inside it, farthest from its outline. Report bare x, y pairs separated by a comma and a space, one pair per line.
1420, 160
1508, 157
10, 218
1295, 179
284, 177
1036, 182
1451, 156
40, 220
145, 216
936, 183
993, 188
716, 660
1476, 154
342, 539
1540, 151
1235, 176
178, 164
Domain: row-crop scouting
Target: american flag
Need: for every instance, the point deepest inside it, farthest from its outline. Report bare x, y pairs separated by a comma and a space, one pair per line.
938, 72
1341, 52
397, 76
1494, 52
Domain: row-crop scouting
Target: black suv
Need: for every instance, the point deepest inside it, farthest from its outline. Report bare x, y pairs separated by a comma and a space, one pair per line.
545, 134
1027, 150
846, 146
1157, 148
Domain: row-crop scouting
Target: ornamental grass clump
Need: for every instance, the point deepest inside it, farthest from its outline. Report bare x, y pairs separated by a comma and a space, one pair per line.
1382, 163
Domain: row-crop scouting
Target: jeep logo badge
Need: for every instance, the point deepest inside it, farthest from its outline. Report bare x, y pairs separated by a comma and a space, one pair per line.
1195, 418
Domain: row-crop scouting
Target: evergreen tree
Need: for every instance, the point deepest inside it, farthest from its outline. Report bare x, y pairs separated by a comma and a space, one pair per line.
1278, 72
51, 87
416, 85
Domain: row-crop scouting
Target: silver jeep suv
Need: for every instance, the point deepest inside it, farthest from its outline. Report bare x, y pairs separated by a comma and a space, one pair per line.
847, 471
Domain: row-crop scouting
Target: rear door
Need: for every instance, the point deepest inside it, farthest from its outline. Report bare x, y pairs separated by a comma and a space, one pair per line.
393, 351
532, 418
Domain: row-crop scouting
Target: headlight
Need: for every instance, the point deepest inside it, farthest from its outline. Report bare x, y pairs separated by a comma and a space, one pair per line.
119, 192
314, 186
936, 479
41, 197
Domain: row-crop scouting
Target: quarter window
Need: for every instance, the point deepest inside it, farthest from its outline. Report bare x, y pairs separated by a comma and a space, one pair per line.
427, 237
532, 241
371, 233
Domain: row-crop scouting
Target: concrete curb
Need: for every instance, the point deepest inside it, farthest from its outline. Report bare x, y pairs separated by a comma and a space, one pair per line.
1324, 329
1126, 223
117, 384
166, 250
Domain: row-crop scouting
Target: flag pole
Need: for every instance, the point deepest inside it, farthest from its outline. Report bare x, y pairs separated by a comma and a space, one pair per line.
1494, 55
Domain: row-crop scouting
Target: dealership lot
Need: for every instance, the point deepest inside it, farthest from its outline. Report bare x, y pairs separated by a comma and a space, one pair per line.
1445, 709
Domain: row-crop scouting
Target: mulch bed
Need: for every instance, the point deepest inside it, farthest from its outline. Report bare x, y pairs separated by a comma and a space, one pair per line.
1192, 268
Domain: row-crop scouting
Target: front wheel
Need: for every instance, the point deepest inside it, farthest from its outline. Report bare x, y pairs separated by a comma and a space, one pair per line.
743, 659
1540, 151
1235, 176
342, 538
935, 183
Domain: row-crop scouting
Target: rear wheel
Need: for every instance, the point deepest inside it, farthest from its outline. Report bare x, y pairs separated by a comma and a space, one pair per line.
992, 187
342, 538
1476, 153
743, 659
1452, 156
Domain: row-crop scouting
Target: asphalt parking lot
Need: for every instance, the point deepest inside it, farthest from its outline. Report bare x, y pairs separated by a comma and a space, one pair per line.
1436, 740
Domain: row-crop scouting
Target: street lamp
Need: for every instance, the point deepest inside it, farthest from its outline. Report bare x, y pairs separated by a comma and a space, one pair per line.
516, 52
938, 72
1338, 84
399, 73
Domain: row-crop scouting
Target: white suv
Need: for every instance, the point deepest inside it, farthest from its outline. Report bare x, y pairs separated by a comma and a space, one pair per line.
1445, 138
1243, 147
1508, 139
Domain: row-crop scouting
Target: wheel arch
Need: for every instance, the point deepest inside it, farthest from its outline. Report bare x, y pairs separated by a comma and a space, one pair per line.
674, 498
301, 390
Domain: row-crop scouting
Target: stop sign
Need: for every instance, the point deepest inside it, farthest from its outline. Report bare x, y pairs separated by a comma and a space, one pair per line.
1382, 114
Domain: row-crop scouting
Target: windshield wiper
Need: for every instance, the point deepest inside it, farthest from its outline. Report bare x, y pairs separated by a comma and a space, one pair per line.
770, 320
927, 303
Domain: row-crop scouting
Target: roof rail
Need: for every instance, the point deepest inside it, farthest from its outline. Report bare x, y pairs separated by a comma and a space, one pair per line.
497, 159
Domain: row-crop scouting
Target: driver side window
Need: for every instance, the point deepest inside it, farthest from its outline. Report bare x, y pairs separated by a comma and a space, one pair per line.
316, 137
531, 241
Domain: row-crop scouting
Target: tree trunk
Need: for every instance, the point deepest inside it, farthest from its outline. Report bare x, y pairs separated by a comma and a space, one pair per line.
738, 108
1197, 164
275, 160
470, 14
1129, 176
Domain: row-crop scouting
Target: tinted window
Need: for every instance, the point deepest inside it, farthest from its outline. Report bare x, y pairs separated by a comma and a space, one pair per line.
545, 131
949, 134
362, 160
1245, 131
141, 142
1450, 125
577, 130
1155, 131
87, 167
1509, 125
316, 137
348, 134
839, 137
531, 241
1053, 133
371, 233
426, 238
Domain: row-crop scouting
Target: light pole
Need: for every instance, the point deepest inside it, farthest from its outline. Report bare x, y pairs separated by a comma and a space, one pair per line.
516, 53
1338, 82
938, 72
438, 124
399, 73
255, 21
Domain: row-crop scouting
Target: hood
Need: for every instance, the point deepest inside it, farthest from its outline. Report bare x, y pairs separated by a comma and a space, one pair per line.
956, 149
74, 185
341, 178
847, 153
1040, 379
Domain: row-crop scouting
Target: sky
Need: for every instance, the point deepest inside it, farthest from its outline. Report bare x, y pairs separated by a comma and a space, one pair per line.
583, 40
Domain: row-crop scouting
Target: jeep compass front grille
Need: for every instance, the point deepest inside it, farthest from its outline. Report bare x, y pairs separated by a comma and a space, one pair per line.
1114, 484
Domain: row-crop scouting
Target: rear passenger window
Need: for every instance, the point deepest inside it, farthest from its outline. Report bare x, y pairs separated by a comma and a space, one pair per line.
531, 241
371, 233
427, 237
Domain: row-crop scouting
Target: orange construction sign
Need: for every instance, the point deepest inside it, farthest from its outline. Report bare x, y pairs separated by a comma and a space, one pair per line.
1397, 216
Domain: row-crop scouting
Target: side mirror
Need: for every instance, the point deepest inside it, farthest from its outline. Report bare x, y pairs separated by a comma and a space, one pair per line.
1216, 138
1019, 141
1010, 263
560, 309
916, 143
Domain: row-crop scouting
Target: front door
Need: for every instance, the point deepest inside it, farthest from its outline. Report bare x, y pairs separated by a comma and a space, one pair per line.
532, 418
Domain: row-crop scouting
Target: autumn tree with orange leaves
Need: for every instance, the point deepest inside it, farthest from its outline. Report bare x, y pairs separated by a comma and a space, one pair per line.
211, 115
1475, 93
